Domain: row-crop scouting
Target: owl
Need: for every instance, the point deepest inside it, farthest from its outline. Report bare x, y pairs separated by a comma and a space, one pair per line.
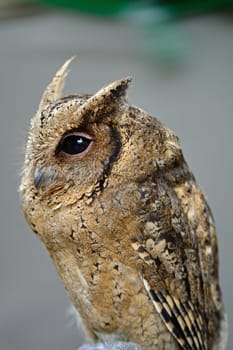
106, 188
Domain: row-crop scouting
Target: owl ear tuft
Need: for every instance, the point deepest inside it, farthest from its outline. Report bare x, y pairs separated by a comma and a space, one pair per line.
54, 90
106, 100
118, 88
114, 91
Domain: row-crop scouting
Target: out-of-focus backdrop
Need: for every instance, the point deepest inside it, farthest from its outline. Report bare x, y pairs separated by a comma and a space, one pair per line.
181, 60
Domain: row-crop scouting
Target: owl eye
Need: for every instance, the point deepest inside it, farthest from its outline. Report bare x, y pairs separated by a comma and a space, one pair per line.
75, 144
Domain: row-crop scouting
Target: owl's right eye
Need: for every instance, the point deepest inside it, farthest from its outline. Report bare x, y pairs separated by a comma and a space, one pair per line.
75, 144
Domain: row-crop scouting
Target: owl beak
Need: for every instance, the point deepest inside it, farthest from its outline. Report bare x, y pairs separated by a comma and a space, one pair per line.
54, 90
45, 176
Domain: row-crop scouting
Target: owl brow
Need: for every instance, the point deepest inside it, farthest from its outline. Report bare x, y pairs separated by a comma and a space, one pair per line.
78, 99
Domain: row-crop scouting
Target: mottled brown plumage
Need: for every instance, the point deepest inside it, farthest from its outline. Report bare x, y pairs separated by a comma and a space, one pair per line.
106, 188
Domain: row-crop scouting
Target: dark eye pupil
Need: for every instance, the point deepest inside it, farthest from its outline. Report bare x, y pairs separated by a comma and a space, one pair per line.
75, 144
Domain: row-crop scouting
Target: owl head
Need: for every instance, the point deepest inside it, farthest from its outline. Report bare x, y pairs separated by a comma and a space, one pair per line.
80, 145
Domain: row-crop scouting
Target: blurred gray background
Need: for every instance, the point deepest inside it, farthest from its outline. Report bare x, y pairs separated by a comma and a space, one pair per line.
192, 92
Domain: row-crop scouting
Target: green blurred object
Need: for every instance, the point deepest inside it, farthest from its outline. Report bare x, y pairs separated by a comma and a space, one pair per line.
182, 8
174, 8
97, 7
154, 21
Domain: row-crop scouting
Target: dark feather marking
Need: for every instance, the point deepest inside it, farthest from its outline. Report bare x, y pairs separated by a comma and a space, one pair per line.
176, 320
176, 329
170, 321
116, 148
117, 145
189, 330
167, 318
199, 323
191, 324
